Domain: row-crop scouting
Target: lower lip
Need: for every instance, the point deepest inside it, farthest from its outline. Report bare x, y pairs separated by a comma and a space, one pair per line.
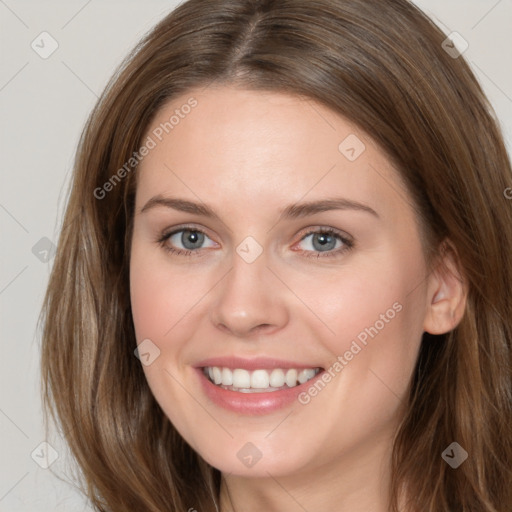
253, 403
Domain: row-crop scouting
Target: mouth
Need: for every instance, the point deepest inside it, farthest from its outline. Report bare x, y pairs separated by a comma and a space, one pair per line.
260, 380
255, 385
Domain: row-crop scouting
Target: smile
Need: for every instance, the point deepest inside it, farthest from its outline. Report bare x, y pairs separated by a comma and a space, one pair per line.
259, 380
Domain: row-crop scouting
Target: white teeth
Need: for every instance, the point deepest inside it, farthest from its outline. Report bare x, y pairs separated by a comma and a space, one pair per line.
227, 377
291, 378
217, 375
249, 382
260, 379
305, 375
277, 378
241, 379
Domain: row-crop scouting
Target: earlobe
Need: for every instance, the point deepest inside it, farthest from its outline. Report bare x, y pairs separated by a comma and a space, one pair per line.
446, 293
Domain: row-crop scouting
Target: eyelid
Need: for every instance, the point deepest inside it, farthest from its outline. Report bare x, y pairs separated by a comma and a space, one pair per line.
166, 233
320, 228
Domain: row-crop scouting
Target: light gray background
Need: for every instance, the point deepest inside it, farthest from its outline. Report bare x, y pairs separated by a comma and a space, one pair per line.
44, 103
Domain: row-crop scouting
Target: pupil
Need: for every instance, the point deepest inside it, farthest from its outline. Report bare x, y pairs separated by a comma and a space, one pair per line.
324, 239
191, 237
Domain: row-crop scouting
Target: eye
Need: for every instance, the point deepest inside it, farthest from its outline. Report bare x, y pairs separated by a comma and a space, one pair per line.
328, 241
324, 242
190, 239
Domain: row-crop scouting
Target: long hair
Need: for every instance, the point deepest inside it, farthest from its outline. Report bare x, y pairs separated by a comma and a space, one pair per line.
382, 65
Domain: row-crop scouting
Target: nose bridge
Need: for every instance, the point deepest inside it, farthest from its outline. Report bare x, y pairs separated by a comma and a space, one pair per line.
247, 299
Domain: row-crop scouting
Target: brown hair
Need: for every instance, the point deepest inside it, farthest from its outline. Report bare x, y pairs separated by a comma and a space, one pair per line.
380, 64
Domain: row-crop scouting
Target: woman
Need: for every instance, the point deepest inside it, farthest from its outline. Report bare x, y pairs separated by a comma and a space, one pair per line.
340, 336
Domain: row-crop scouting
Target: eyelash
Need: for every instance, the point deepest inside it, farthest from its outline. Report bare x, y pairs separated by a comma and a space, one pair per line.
348, 244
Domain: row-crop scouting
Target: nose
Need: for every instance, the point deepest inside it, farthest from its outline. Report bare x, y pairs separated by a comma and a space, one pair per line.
250, 300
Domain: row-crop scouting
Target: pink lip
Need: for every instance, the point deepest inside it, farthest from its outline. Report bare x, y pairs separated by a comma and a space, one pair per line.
252, 403
256, 363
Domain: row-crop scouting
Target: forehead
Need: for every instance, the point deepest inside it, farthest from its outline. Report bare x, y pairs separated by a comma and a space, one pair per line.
226, 144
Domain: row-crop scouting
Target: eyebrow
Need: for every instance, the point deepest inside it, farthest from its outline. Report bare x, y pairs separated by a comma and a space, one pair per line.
293, 211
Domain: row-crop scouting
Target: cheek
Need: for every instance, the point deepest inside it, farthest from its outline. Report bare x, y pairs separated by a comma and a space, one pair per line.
372, 314
349, 300
161, 295
160, 300
148, 299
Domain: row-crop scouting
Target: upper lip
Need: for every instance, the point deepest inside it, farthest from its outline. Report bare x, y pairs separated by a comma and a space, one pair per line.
255, 363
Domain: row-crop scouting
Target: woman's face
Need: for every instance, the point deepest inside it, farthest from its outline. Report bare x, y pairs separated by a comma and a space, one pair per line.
246, 184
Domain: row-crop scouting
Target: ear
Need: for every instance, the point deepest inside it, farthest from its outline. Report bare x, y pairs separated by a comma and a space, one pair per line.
446, 293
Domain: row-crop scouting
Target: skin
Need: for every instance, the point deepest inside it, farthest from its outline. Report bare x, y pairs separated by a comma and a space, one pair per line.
247, 154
